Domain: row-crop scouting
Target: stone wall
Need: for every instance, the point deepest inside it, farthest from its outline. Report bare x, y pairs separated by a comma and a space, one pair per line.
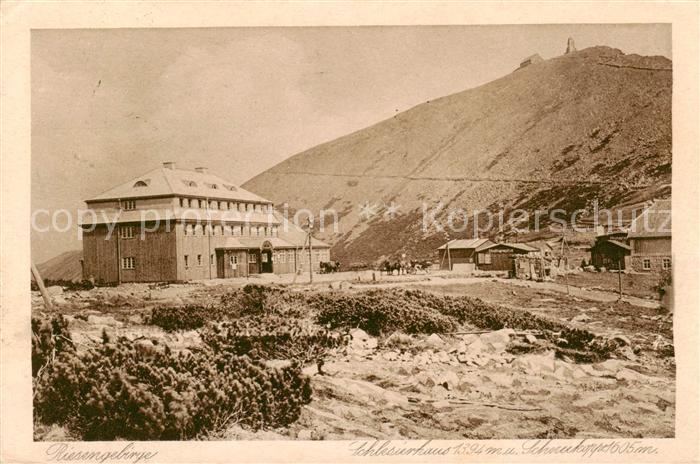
656, 261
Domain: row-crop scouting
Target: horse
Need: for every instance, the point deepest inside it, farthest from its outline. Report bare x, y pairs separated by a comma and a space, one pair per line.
330, 267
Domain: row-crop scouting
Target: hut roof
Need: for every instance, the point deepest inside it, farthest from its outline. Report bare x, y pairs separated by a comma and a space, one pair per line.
461, 244
655, 221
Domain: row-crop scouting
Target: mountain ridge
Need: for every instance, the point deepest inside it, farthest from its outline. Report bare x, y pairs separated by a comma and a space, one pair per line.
593, 123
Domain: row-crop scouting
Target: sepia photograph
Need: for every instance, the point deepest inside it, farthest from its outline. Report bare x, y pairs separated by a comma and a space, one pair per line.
343, 233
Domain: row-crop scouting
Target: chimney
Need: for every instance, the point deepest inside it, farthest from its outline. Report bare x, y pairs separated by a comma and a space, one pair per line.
202, 170
169, 165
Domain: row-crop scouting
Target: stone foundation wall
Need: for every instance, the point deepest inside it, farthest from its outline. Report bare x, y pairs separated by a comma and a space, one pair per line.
637, 262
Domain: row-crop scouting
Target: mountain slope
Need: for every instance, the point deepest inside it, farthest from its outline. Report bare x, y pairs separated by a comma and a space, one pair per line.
592, 124
65, 266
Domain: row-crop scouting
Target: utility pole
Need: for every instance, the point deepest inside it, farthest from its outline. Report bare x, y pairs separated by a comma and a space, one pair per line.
566, 261
449, 258
619, 274
311, 263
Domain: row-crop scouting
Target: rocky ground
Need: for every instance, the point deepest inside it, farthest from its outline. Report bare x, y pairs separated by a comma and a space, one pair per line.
471, 383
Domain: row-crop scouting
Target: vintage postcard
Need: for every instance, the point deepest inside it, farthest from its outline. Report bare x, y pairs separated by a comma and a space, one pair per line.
388, 232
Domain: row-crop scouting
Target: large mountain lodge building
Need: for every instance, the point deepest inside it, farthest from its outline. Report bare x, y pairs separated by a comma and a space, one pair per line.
176, 225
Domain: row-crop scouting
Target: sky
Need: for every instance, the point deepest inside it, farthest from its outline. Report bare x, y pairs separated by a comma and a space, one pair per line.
111, 104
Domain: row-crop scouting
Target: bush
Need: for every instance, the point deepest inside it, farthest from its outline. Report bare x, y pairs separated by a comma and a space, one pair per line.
378, 312
171, 318
50, 337
665, 280
254, 300
69, 285
119, 392
273, 337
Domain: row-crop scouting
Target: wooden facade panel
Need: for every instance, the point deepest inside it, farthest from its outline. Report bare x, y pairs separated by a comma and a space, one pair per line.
100, 258
651, 245
457, 256
153, 253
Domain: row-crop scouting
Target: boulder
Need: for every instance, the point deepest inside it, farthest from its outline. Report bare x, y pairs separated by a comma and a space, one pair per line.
434, 341
426, 379
390, 355
581, 318
104, 320
448, 380
498, 337
627, 353
54, 290
361, 341
398, 339
530, 338
536, 363
622, 339
442, 357
501, 379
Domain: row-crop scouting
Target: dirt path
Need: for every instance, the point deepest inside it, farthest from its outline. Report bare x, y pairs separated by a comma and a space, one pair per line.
593, 295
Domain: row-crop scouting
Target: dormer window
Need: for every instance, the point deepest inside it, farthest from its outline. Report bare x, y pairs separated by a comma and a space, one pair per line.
189, 183
230, 187
141, 183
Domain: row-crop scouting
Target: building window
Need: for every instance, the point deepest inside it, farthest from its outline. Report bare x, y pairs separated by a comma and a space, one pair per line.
282, 257
264, 257
646, 264
187, 261
189, 229
233, 260
237, 230
258, 208
126, 232
250, 207
228, 230
198, 230
666, 263
211, 260
128, 263
128, 205
199, 260
252, 258
485, 258
213, 204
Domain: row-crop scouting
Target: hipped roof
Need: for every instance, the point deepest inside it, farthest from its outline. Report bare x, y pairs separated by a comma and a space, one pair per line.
164, 181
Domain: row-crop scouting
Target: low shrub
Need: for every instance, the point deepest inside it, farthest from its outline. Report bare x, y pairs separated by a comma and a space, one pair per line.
378, 312
118, 391
173, 318
50, 337
272, 337
69, 285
